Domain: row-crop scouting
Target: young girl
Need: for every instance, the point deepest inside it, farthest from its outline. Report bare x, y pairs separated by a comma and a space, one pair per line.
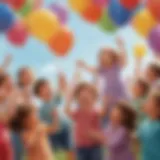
25, 83
117, 136
33, 132
149, 130
109, 73
85, 118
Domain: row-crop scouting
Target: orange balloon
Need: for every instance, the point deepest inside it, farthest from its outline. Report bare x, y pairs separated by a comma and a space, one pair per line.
92, 13
62, 42
154, 8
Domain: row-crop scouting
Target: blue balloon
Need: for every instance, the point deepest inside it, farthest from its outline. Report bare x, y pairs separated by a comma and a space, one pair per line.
6, 17
118, 13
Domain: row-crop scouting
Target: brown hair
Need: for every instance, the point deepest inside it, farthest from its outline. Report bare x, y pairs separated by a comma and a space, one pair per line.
83, 86
17, 121
155, 67
128, 115
110, 51
156, 100
3, 77
38, 84
145, 86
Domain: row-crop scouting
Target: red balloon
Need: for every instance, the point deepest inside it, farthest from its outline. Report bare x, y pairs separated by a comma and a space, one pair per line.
18, 34
154, 8
62, 42
16, 4
93, 13
130, 4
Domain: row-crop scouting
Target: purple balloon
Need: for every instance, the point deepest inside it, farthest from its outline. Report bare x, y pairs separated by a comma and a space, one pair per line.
154, 40
60, 11
101, 2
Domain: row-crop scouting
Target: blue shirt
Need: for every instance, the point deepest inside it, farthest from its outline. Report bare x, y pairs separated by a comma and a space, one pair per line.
149, 136
46, 111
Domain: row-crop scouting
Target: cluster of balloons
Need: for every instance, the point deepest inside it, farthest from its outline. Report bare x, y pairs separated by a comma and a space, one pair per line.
21, 18
108, 14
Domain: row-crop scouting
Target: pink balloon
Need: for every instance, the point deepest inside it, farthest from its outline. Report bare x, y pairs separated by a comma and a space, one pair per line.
18, 34
102, 3
38, 4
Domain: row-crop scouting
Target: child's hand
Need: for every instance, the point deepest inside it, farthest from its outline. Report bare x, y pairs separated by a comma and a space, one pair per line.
62, 82
81, 64
120, 42
8, 59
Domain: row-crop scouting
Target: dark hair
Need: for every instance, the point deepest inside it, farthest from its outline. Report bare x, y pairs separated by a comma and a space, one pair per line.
145, 86
3, 77
17, 121
156, 100
83, 86
128, 115
38, 84
155, 67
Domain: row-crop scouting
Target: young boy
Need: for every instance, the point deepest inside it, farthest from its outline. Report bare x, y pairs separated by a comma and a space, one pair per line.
51, 100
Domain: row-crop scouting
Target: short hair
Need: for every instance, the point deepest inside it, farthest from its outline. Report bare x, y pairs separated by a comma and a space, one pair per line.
155, 67
38, 84
83, 86
145, 85
17, 121
129, 115
3, 77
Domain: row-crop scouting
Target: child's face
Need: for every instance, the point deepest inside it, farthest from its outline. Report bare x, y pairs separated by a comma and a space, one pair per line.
116, 116
31, 120
105, 59
86, 98
150, 108
137, 90
150, 75
46, 92
27, 77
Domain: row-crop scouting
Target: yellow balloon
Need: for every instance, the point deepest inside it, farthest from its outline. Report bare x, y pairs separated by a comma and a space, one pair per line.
140, 50
144, 22
43, 24
79, 5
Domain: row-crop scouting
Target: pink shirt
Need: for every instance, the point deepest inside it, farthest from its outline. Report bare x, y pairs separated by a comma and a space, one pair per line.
5, 144
86, 121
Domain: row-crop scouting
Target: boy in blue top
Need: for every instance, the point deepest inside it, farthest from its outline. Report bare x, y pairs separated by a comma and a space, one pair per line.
50, 102
149, 130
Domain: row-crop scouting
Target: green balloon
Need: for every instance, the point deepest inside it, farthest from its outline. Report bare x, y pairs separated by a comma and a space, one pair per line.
26, 9
106, 24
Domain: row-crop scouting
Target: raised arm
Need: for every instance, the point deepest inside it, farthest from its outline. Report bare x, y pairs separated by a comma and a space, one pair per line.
83, 65
7, 61
122, 51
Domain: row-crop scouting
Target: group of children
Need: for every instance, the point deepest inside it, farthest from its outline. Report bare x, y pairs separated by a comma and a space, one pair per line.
106, 119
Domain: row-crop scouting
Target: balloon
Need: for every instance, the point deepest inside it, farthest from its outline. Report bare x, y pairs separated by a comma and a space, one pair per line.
118, 13
79, 5
106, 23
18, 34
139, 50
130, 4
92, 13
37, 4
6, 17
154, 39
154, 8
101, 3
62, 42
143, 22
43, 24
16, 4
60, 11
27, 8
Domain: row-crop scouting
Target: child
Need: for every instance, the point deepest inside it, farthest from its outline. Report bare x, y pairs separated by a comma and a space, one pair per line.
109, 72
152, 74
33, 132
50, 101
140, 90
117, 136
85, 118
25, 84
149, 130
